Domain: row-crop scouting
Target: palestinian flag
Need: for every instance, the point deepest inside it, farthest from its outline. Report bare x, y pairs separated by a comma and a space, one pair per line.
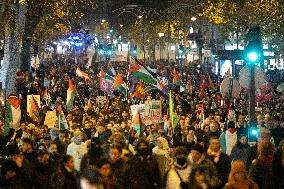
141, 72
71, 94
62, 122
173, 115
46, 96
177, 79
34, 110
140, 91
12, 114
110, 70
120, 85
137, 124
80, 73
106, 82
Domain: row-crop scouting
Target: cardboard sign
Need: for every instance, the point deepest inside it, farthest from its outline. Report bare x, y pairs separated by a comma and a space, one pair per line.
50, 119
37, 99
151, 112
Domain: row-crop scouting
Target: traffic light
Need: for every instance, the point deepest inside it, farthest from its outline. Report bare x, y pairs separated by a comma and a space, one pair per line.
253, 50
181, 49
253, 133
101, 49
109, 50
134, 51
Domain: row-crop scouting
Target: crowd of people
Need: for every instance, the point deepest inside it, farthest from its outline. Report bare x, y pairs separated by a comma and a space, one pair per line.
101, 149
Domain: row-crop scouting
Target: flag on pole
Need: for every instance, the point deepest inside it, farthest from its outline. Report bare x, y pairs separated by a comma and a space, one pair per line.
138, 125
34, 110
12, 114
228, 72
202, 112
106, 82
141, 72
71, 94
80, 73
140, 91
110, 70
176, 78
62, 122
46, 96
173, 114
120, 85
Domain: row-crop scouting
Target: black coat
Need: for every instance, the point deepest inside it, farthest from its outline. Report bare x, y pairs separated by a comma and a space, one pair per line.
261, 175
70, 180
223, 167
142, 173
278, 170
241, 152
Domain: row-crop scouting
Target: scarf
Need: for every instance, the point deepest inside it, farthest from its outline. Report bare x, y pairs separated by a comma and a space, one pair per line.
232, 130
215, 155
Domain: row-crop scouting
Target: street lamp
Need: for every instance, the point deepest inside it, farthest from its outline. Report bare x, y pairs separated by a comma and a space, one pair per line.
161, 35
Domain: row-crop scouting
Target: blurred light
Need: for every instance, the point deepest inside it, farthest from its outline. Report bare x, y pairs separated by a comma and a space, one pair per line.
109, 52
161, 34
191, 30
103, 20
252, 56
115, 41
110, 31
140, 17
101, 51
173, 48
121, 25
193, 18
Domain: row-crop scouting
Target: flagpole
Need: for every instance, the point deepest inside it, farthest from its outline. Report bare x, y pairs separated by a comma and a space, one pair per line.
59, 121
171, 116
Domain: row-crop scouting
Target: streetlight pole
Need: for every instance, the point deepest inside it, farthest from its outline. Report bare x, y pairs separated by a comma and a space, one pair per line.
160, 36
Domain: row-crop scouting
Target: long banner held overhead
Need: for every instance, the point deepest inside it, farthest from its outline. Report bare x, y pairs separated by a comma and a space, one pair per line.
151, 112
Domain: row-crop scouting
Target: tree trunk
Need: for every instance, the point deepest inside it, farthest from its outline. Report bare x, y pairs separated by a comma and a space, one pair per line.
15, 18
25, 56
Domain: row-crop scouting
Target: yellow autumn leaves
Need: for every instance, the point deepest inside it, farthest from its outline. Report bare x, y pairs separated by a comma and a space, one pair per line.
251, 11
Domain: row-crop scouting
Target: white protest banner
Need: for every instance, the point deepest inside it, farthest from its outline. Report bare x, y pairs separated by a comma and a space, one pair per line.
50, 119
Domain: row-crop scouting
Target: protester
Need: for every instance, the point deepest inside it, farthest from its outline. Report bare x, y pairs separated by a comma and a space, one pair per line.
238, 177
106, 148
77, 149
68, 172
143, 170
261, 169
278, 166
178, 175
221, 160
241, 150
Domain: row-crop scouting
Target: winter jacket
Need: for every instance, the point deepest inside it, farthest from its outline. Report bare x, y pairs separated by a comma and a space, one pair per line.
261, 175
278, 170
178, 174
142, 173
70, 180
223, 166
77, 152
228, 141
241, 152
